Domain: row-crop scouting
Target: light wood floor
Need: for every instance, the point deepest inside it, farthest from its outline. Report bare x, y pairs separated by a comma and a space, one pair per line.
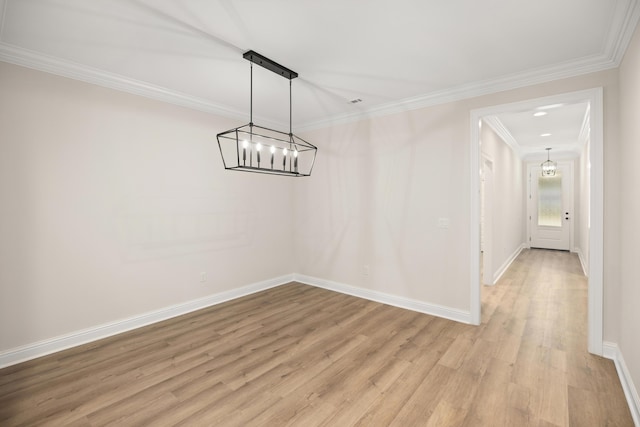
298, 355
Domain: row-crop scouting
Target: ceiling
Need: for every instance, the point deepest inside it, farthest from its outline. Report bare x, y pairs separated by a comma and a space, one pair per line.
393, 56
560, 126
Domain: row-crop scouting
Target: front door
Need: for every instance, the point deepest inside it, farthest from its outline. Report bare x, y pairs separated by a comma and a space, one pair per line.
551, 207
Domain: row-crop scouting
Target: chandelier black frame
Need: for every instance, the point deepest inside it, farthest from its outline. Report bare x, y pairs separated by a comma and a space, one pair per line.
258, 149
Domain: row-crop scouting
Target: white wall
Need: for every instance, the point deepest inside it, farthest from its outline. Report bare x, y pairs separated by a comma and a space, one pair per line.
381, 185
628, 316
581, 215
111, 205
509, 226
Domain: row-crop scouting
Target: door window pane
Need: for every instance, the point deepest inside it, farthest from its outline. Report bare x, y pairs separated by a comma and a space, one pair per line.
550, 200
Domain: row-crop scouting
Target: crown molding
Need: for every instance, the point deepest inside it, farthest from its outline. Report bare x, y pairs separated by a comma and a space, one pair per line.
562, 151
41, 62
498, 127
567, 69
623, 25
559, 153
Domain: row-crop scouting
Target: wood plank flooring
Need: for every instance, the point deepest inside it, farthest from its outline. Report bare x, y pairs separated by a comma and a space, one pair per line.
298, 355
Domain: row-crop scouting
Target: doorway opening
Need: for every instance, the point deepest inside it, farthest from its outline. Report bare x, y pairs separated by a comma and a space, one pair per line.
595, 182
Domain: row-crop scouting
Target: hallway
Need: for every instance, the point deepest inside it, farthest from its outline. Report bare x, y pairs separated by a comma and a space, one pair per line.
538, 314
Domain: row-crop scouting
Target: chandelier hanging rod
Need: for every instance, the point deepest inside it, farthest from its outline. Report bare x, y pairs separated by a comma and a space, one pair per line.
271, 65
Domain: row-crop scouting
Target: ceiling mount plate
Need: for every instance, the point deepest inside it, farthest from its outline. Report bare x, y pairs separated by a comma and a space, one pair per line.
270, 65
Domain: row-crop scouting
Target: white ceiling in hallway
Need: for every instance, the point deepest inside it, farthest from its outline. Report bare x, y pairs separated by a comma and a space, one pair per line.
393, 55
531, 131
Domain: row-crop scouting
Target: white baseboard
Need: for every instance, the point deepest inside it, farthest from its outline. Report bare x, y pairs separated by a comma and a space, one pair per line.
503, 268
583, 262
384, 298
612, 351
42, 348
53, 345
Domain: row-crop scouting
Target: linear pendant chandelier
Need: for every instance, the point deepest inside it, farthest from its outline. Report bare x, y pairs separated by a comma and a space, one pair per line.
253, 148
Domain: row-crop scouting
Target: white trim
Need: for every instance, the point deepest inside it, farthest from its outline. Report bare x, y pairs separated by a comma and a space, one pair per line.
583, 136
487, 198
42, 348
568, 69
612, 351
503, 268
583, 262
596, 231
609, 350
53, 345
623, 25
595, 317
384, 298
504, 134
41, 62
474, 226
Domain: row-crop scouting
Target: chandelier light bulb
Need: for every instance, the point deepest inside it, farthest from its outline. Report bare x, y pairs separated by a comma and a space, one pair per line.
258, 148
273, 150
245, 143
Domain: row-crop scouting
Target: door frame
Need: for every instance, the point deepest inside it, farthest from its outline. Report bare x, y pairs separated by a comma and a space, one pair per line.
487, 257
596, 183
571, 202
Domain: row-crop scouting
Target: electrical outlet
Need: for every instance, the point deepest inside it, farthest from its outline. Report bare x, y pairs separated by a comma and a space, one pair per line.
444, 223
203, 277
366, 270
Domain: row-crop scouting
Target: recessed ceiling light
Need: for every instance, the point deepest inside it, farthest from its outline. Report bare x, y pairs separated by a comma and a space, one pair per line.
540, 113
545, 134
549, 107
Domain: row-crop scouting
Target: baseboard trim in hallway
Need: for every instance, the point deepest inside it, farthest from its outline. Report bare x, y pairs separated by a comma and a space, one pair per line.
583, 261
612, 351
505, 266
